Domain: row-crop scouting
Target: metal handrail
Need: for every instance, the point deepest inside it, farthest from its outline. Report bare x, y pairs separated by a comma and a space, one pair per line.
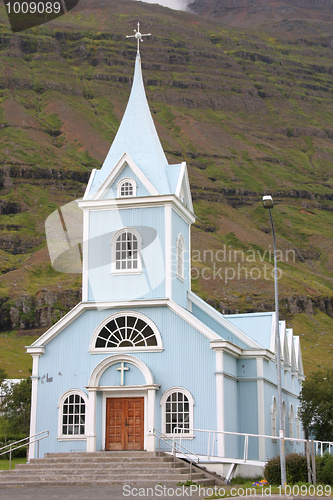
30, 441
211, 433
181, 449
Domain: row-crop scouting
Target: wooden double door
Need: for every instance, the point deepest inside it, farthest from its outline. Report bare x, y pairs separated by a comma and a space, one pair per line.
124, 423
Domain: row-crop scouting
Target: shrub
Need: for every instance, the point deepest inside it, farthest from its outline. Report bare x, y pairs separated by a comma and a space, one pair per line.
324, 469
296, 469
272, 471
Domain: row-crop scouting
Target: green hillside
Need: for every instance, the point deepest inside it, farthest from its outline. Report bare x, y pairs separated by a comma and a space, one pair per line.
250, 112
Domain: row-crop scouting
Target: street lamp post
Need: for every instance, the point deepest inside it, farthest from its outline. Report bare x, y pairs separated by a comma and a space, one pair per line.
268, 204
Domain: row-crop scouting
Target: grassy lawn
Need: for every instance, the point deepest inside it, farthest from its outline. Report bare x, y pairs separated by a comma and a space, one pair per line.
4, 464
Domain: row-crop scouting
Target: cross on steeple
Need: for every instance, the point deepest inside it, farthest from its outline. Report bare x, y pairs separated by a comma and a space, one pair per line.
138, 36
122, 370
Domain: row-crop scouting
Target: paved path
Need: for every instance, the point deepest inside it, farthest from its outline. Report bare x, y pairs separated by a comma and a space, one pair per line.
82, 493
110, 493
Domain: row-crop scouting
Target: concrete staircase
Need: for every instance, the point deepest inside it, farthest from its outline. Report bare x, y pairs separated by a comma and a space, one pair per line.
138, 468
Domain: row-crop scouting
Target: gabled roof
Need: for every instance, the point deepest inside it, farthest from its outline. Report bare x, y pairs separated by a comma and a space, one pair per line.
285, 354
291, 348
224, 321
138, 138
119, 166
298, 356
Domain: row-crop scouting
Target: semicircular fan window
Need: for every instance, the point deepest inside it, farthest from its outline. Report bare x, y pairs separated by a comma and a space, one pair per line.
126, 331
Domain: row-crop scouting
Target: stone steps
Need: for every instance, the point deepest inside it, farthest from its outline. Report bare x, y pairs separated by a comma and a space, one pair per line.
104, 468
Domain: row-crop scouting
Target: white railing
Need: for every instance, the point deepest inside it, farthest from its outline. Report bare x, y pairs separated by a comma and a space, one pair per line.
175, 448
322, 445
212, 436
24, 442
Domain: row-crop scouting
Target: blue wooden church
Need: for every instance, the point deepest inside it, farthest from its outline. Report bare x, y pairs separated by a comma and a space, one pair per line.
142, 351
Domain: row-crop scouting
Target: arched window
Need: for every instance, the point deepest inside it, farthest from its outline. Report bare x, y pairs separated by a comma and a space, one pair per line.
291, 422
177, 412
72, 415
130, 331
298, 424
126, 251
180, 256
126, 188
283, 417
274, 413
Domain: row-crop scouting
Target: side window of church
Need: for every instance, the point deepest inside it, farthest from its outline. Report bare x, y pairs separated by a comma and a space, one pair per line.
73, 415
126, 331
126, 249
177, 413
180, 256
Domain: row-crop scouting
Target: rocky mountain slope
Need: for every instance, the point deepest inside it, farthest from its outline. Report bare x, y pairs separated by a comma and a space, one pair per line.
270, 15
250, 111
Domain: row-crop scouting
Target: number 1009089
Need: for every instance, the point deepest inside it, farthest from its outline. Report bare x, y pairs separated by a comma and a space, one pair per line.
34, 7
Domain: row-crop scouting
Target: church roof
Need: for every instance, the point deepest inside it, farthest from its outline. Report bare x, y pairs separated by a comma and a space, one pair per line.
138, 138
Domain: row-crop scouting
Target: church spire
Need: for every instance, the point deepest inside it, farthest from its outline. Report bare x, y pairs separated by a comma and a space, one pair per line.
137, 137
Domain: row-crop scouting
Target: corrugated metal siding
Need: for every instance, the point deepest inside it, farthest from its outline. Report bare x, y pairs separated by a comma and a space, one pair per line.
187, 361
230, 415
248, 415
216, 327
230, 364
257, 326
150, 283
247, 368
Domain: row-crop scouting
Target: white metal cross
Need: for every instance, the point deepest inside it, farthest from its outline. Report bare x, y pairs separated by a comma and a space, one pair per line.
138, 35
122, 369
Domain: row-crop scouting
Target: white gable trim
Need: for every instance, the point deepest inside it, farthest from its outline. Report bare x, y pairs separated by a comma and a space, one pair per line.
273, 334
183, 179
298, 356
215, 315
91, 178
125, 159
180, 178
126, 305
291, 347
193, 321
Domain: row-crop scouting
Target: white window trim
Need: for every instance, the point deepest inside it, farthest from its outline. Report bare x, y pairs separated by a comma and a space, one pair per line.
291, 421
298, 424
164, 398
71, 437
96, 350
119, 186
113, 252
283, 418
181, 240
274, 417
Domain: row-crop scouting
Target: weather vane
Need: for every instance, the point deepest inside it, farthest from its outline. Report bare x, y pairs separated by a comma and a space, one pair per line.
138, 35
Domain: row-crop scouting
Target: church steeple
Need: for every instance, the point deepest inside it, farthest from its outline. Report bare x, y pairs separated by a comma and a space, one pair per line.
136, 136
137, 214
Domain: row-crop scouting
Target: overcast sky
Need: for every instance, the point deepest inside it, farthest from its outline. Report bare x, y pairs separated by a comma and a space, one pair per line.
172, 4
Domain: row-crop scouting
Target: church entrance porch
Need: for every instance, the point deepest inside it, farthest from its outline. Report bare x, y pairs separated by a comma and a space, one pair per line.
124, 423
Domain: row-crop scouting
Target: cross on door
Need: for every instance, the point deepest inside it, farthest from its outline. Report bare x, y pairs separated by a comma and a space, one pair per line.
122, 370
